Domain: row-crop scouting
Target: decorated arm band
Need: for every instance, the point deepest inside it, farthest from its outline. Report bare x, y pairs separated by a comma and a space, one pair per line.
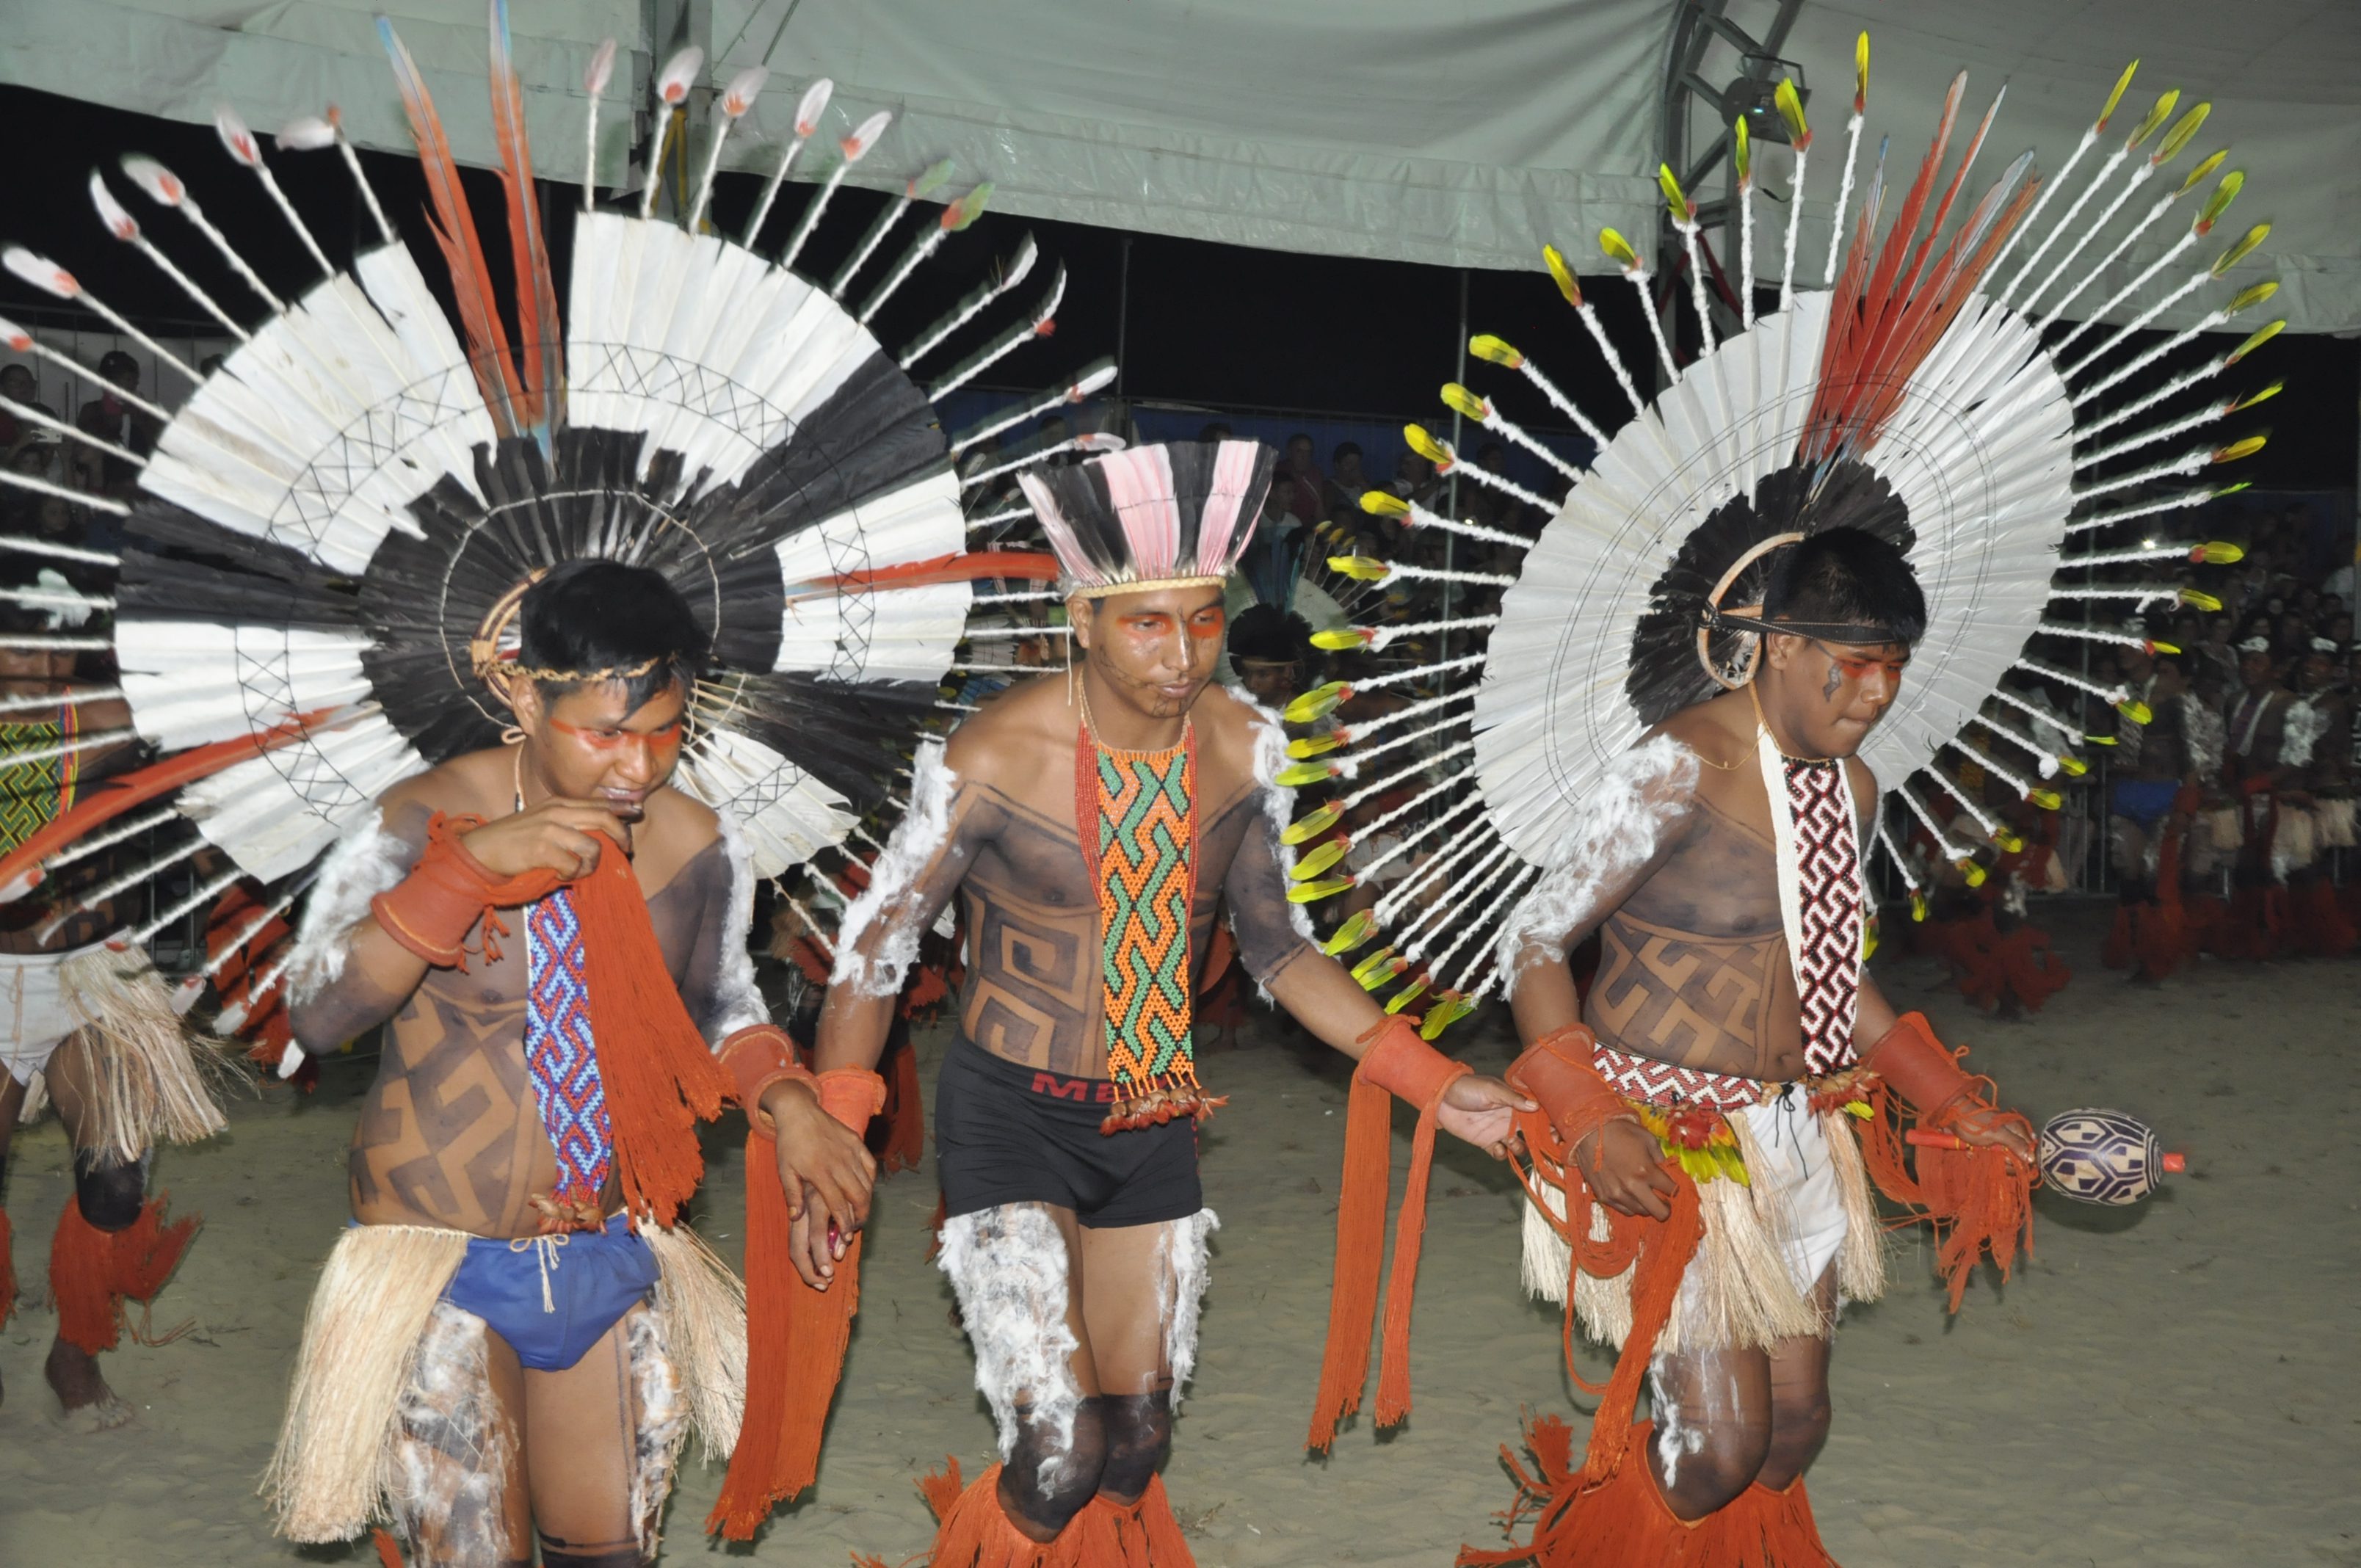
1558, 1071
431, 911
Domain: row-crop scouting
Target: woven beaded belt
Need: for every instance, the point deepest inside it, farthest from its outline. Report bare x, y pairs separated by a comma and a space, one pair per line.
1664, 1083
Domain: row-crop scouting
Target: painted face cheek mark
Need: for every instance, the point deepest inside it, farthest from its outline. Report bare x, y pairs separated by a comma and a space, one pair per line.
1836, 678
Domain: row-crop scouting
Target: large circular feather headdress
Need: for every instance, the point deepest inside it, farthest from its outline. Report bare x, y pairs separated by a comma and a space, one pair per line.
1914, 395
323, 542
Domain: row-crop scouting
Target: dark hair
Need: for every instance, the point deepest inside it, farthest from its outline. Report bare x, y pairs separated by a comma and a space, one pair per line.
1342, 447
1216, 431
1846, 577
1302, 435
1265, 631
115, 359
587, 616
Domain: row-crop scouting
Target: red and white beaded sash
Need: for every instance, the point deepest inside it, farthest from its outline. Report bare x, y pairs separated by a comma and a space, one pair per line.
1818, 841
1666, 1083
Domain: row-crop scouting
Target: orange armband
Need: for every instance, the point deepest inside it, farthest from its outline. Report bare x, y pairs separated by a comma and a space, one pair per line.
758, 1056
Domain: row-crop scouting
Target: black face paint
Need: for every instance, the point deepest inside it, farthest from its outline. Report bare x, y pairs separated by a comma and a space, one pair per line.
1835, 677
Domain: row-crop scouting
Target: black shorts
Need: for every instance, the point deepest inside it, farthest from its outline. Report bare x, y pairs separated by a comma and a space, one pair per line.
1007, 1133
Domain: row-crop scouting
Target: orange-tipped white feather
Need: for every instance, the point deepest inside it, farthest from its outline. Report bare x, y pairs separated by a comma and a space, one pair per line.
736, 99
19, 341
165, 189
967, 310
808, 112
855, 147
672, 90
247, 150
51, 279
125, 228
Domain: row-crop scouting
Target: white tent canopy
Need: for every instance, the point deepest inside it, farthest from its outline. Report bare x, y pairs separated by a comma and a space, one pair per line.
1462, 135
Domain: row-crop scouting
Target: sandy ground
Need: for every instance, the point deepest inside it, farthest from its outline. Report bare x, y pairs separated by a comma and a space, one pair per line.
2175, 1385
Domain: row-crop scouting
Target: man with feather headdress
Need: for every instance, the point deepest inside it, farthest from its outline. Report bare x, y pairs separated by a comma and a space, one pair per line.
1092, 822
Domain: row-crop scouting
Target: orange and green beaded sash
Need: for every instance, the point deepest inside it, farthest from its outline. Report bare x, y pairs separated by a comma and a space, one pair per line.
33, 794
1141, 855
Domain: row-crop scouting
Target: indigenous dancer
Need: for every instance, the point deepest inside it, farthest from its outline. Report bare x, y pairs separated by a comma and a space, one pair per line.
2160, 772
84, 1018
1091, 823
1814, 558
2316, 803
2258, 771
551, 640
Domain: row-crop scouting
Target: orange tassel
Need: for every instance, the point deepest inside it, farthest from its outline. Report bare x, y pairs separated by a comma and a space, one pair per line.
905, 1114
389, 1554
1979, 1200
795, 1355
1360, 1249
974, 1530
1409, 1230
91, 1270
659, 1076
1664, 1256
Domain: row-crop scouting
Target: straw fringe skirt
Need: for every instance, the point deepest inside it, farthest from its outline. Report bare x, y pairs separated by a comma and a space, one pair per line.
1742, 1288
335, 1470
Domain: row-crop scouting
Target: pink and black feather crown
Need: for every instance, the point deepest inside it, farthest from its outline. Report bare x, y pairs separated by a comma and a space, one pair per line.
1165, 516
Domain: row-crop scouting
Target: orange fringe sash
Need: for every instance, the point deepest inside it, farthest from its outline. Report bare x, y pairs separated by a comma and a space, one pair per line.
974, 1533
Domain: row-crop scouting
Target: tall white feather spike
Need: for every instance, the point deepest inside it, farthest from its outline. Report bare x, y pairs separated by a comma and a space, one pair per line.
1044, 318
124, 226
51, 279
736, 100
1011, 274
672, 84
852, 149
595, 77
165, 188
245, 150
809, 110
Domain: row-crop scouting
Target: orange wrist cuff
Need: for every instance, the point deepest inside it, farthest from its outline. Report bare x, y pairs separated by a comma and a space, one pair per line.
850, 1094
431, 910
756, 1058
1559, 1070
1405, 1065
1920, 1069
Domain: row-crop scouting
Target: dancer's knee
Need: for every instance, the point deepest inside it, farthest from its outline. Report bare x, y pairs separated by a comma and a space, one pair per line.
1798, 1431
1139, 1436
1704, 1468
109, 1192
1050, 1474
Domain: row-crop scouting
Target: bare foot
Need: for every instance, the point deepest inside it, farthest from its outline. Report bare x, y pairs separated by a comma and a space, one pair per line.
73, 1375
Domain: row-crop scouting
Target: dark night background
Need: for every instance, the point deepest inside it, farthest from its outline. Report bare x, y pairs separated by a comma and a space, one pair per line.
1217, 326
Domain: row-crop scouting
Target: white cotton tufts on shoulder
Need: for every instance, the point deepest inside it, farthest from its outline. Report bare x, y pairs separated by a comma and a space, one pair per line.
1181, 1255
738, 1000
2305, 725
365, 862
1270, 757
1614, 830
913, 845
1007, 1266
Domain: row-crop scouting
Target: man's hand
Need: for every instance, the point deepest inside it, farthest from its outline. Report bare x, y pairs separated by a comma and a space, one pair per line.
554, 836
1483, 1111
827, 1173
1986, 1126
1624, 1167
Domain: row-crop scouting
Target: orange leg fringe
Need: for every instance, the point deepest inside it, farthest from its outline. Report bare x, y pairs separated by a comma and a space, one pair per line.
92, 1271
974, 1531
2317, 928
1624, 1522
904, 1117
389, 1551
